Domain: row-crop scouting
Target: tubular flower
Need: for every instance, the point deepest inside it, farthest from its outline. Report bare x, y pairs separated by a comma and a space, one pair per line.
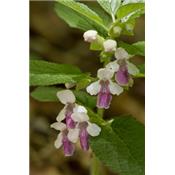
85, 127
122, 68
66, 97
65, 138
109, 45
104, 87
90, 35
76, 126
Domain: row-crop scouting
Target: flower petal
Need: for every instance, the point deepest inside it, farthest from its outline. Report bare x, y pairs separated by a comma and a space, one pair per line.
93, 88
105, 74
115, 88
79, 108
80, 117
58, 126
114, 66
132, 69
121, 54
93, 129
109, 45
90, 36
58, 142
61, 116
66, 96
73, 135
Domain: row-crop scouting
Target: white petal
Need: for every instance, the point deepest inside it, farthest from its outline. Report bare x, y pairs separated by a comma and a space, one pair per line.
66, 96
105, 74
93, 129
69, 85
61, 116
109, 45
114, 66
58, 126
90, 36
58, 142
93, 88
80, 117
132, 69
121, 54
73, 135
115, 88
79, 108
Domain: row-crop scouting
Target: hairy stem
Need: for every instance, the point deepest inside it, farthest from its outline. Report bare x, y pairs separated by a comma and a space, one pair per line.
100, 112
95, 166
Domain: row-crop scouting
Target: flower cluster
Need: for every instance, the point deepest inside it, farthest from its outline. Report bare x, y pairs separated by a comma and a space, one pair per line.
122, 70
73, 124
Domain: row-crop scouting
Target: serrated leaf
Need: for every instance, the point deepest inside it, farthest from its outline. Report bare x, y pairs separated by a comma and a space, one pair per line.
130, 11
78, 15
44, 73
137, 48
113, 149
110, 6
40, 66
48, 94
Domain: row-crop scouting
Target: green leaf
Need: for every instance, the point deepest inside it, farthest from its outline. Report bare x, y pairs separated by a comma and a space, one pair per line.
141, 74
137, 48
132, 1
45, 73
110, 6
45, 94
121, 147
107, 20
78, 15
48, 94
130, 11
40, 66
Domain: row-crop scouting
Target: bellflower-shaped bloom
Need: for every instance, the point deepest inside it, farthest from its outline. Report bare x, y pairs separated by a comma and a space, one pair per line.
109, 45
104, 87
85, 127
90, 35
66, 138
123, 68
66, 97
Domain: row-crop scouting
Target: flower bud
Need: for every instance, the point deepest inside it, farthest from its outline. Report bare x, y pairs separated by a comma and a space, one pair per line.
90, 36
109, 45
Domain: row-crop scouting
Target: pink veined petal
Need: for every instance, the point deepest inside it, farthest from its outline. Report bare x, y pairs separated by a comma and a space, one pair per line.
122, 76
68, 146
84, 137
104, 97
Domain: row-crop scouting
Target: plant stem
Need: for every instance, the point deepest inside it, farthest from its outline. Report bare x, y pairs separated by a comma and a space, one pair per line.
100, 112
95, 166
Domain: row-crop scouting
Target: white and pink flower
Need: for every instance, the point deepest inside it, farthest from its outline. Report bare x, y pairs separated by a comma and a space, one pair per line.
104, 88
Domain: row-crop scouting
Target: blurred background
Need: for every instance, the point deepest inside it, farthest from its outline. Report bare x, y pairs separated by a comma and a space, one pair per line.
51, 39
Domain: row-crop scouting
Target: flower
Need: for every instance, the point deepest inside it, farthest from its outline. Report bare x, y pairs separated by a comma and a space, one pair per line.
109, 45
90, 36
122, 68
104, 87
65, 138
85, 127
76, 126
66, 97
